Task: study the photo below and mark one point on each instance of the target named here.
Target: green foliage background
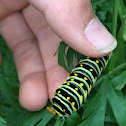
(106, 106)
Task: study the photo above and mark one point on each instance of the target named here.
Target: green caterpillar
(72, 94)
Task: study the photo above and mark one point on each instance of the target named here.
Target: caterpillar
(72, 94)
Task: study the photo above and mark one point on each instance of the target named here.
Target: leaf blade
(116, 105)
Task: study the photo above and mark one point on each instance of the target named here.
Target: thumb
(75, 23)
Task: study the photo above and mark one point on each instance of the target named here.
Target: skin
(33, 34)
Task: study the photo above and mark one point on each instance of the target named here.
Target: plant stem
(115, 17)
(122, 10)
(124, 35)
(117, 50)
(122, 14)
(59, 122)
(114, 29)
(121, 35)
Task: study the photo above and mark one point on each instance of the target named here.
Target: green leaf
(95, 113)
(73, 120)
(61, 55)
(121, 43)
(109, 116)
(60, 121)
(124, 34)
(122, 10)
(2, 122)
(110, 124)
(69, 58)
(119, 81)
(40, 118)
(116, 104)
(104, 10)
(118, 70)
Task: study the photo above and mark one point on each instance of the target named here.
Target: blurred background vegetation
(106, 104)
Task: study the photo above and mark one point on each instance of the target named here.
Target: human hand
(34, 37)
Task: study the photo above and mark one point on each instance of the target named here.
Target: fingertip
(33, 94)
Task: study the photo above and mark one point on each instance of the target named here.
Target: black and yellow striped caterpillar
(72, 94)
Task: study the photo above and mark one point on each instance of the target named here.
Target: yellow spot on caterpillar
(64, 110)
(73, 103)
(88, 57)
(69, 76)
(75, 110)
(65, 80)
(73, 67)
(90, 86)
(59, 92)
(97, 61)
(81, 84)
(68, 83)
(68, 98)
(91, 69)
(72, 79)
(86, 91)
(85, 78)
(75, 74)
(95, 78)
(101, 69)
(76, 89)
(81, 97)
(106, 61)
(81, 65)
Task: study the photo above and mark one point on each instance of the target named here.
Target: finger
(75, 22)
(33, 90)
(9, 6)
(48, 43)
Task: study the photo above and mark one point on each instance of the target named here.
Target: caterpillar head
(54, 112)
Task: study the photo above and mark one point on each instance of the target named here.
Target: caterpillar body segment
(72, 94)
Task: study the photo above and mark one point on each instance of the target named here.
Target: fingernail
(100, 37)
